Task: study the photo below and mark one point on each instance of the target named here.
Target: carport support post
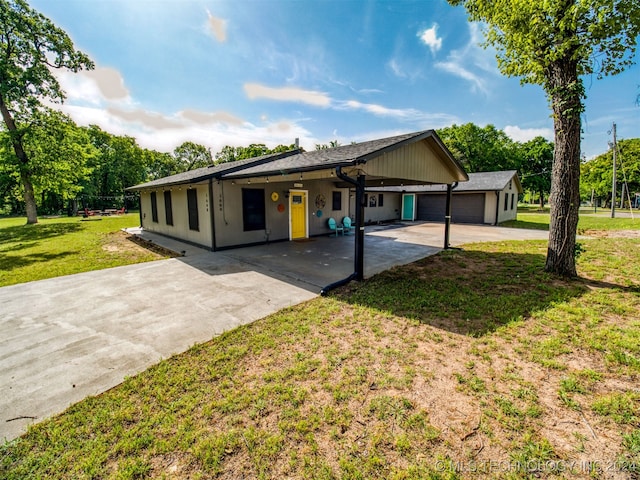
(447, 217)
(359, 250)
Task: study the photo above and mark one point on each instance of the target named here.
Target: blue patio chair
(334, 227)
(346, 226)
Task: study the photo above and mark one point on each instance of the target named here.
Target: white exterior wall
(390, 210)
(490, 199)
(508, 213)
(180, 228)
(229, 227)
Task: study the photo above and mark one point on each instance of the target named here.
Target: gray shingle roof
(481, 181)
(330, 157)
(212, 171)
(296, 161)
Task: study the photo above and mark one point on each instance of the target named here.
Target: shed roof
(481, 181)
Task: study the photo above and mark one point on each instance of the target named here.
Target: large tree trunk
(29, 199)
(16, 140)
(541, 200)
(566, 97)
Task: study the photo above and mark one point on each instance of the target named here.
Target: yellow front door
(298, 209)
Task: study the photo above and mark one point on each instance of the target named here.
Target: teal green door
(408, 207)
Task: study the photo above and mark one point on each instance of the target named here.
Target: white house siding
(509, 213)
(180, 228)
(229, 227)
(490, 199)
(390, 209)
(420, 161)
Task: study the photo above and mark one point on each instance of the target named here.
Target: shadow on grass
(31, 234)
(465, 292)
(525, 225)
(11, 262)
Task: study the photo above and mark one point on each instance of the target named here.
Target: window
(513, 197)
(253, 216)
(168, 210)
(506, 202)
(337, 201)
(154, 207)
(192, 206)
(380, 200)
(372, 201)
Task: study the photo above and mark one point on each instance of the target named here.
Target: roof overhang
(410, 159)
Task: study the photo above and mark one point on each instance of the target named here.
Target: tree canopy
(553, 44)
(232, 154)
(480, 149)
(597, 174)
(536, 161)
(30, 47)
(190, 156)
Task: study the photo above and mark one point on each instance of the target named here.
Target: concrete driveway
(66, 338)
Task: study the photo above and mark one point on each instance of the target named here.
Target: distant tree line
(597, 175)
(483, 149)
(73, 167)
(487, 149)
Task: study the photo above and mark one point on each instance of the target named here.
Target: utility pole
(613, 187)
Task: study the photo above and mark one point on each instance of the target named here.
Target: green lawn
(587, 221)
(62, 246)
(467, 364)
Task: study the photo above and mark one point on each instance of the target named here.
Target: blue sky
(269, 71)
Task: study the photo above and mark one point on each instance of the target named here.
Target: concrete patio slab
(67, 338)
(70, 337)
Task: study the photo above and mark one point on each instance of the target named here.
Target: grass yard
(588, 223)
(467, 364)
(62, 246)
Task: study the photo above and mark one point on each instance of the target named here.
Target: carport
(411, 159)
(290, 195)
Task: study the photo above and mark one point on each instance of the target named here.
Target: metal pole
(447, 217)
(613, 187)
(359, 260)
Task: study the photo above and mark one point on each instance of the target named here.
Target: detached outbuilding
(291, 195)
(487, 198)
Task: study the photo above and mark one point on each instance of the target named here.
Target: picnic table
(86, 212)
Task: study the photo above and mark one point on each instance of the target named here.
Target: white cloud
(396, 69)
(471, 62)
(525, 134)
(430, 38)
(432, 120)
(456, 67)
(148, 119)
(287, 94)
(93, 87)
(206, 118)
(109, 82)
(217, 27)
(165, 132)
(100, 98)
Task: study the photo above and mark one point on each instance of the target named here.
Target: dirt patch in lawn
(122, 242)
(613, 233)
